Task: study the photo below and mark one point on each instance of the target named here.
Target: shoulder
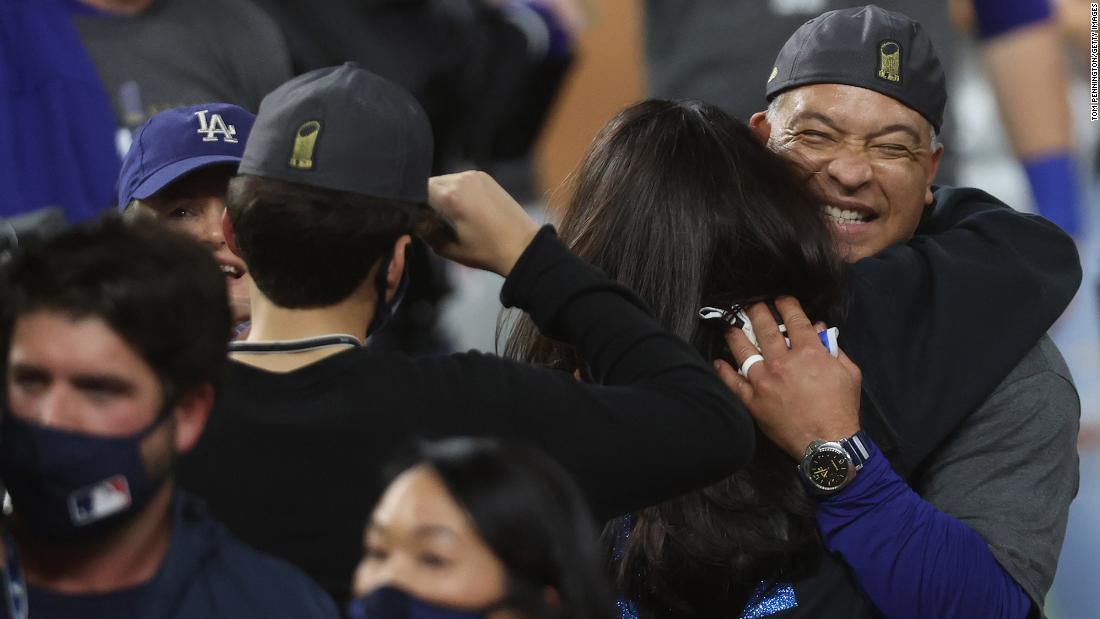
(247, 14)
(359, 362)
(945, 195)
(461, 367)
(236, 579)
(256, 574)
(1043, 366)
(334, 388)
(215, 12)
(240, 24)
(1036, 402)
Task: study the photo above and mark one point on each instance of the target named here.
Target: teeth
(845, 216)
(230, 270)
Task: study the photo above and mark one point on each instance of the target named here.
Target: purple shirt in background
(57, 131)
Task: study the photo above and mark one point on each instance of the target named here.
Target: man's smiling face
(868, 158)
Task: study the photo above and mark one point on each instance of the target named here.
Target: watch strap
(856, 446)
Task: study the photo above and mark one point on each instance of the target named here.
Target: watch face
(828, 469)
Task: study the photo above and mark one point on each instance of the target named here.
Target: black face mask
(393, 603)
(384, 309)
(72, 486)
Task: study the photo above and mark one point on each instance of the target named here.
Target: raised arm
(658, 424)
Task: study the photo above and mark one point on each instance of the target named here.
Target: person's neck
(271, 322)
(126, 558)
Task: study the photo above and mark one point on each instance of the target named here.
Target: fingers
(431, 226)
(461, 195)
(733, 380)
(441, 190)
(740, 345)
(799, 329)
(482, 226)
(772, 343)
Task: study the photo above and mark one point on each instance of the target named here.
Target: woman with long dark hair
(683, 204)
(477, 528)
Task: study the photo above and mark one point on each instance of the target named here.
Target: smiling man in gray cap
(856, 100)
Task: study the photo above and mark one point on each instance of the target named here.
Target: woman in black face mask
(473, 528)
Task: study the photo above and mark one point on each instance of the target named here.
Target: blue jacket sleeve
(911, 559)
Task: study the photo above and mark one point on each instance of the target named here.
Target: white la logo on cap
(214, 126)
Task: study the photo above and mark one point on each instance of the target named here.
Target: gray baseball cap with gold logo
(343, 128)
(868, 47)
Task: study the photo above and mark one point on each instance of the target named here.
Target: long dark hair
(685, 205)
(535, 520)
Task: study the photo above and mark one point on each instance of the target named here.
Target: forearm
(911, 559)
(658, 423)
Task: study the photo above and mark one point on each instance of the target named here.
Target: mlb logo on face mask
(213, 126)
(98, 501)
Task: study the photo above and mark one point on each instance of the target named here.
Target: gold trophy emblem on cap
(889, 61)
(305, 140)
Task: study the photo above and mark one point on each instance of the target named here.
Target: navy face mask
(71, 486)
(392, 603)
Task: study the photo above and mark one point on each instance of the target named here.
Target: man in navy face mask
(111, 337)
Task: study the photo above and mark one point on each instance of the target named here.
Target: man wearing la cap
(307, 416)
(177, 170)
(856, 98)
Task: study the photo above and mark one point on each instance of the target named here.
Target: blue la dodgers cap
(343, 128)
(176, 142)
(868, 47)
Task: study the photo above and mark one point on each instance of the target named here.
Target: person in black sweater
(331, 186)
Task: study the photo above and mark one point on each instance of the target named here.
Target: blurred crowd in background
(518, 88)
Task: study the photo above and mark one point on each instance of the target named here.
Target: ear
(397, 265)
(936, 155)
(191, 412)
(230, 235)
(760, 126)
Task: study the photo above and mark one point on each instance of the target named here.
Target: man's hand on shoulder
(491, 229)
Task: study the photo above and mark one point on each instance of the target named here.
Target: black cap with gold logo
(868, 47)
(343, 128)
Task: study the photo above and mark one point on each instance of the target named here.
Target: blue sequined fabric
(768, 598)
(622, 536)
(626, 609)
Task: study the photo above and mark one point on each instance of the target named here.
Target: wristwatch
(829, 466)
